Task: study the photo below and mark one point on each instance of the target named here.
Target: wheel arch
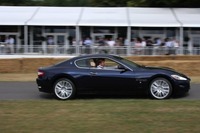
(162, 76)
(60, 76)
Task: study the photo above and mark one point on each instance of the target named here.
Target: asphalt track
(29, 91)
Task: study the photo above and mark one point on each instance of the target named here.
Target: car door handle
(93, 73)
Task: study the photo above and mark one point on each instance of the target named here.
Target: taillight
(40, 73)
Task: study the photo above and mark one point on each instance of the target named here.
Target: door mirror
(121, 67)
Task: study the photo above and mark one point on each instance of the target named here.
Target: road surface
(29, 91)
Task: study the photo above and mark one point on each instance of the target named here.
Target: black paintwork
(129, 78)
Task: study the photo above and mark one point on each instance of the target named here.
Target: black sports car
(117, 75)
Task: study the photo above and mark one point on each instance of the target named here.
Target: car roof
(85, 56)
(95, 56)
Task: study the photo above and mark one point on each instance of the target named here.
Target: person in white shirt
(111, 44)
(10, 41)
(87, 43)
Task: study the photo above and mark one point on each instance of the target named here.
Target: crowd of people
(137, 46)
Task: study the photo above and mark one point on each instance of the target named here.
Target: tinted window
(82, 63)
(128, 62)
(85, 63)
(107, 65)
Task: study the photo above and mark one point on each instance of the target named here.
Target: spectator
(138, 46)
(101, 42)
(175, 45)
(87, 43)
(158, 41)
(111, 44)
(70, 42)
(50, 44)
(149, 45)
(10, 41)
(169, 46)
(157, 46)
(119, 43)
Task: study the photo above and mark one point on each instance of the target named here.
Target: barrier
(189, 65)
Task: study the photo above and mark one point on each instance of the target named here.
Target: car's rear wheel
(160, 88)
(64, 89)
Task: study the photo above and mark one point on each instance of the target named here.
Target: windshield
(128, 62)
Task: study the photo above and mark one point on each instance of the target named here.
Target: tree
(12, 2)
(173, 3)
(104, 3)
(69, 3)
(108, 3)
(146, 3)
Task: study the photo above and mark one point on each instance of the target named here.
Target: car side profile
(118, 75)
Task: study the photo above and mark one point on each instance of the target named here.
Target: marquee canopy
(152, 17)
(56, 16)
(15, 15)
(189, 17)
(104, 17)
(100, 16)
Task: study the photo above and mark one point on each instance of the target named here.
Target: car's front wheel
(64, 89)
(160, 88)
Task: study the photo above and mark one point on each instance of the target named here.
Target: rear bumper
(43, 85)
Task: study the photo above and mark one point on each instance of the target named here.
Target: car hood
(159, 68)
(168, 69)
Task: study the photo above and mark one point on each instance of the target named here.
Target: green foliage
(69, 3)
(13, 2)
(137, 3)
(109, 3)
(104, 3)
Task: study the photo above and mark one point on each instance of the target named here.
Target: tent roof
(56, 16)
(100, 16)
(152, 17)
(15, 15)
(104, 17)
(189, 17)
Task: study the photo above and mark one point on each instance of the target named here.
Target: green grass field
(97, 115)
(100, 116)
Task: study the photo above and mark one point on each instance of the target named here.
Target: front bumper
(181, 87)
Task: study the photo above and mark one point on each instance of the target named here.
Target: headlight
(177, 77)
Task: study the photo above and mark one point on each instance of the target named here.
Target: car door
(117, 80)
(111, 77)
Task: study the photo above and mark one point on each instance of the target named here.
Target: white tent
(103, 17)
(189, 17)
(100, 16)
(15, 15)
(56, 16)
(152, 17)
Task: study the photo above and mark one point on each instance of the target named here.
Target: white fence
(73, 50)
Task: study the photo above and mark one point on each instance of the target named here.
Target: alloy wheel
(160, 88)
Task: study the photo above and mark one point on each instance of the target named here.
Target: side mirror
(121, 68)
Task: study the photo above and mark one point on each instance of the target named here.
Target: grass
(97, 115)
(100, 116)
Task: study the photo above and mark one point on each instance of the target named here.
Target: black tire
(160, 88)
(64, 89)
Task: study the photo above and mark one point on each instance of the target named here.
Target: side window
(105, 63)
(86, 63)
(110, 64)
(83, 63)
